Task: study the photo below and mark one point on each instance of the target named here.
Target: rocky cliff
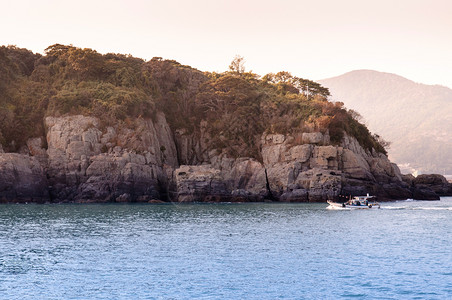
(90, 163)
(311, 170)
(85, 127)
(85, 161)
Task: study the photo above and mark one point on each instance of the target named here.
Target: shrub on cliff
(20, 99)
(232, 107)
(111, 86)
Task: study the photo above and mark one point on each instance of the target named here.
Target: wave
(393, 207)
(432, 208)
(415, 208)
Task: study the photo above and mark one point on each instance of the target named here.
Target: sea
(226, 251)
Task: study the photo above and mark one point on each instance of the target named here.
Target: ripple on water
(253, 251)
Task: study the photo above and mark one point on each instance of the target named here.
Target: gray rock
(227, 179)
(87, 164)
(22, 179)
(296, 195)
(312, 138)
(200, 184)
(437, 183)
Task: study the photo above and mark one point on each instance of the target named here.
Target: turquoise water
(226, 251)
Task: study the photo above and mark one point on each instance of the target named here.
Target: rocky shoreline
(81, 161)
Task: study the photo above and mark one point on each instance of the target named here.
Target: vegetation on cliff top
(235, 107)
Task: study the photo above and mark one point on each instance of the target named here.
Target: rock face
(86, 163)
(145, 162)
(433, 185)
(301, 173)
(310, 172)
(22, 179)
(225, 179)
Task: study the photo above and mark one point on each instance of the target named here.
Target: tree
(287, 82)
(380, 140)
(237, 65)
(284, 77)
(310, 88)
(354, 114)
(57, 49)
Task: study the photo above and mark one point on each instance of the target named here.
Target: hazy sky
(313, 39)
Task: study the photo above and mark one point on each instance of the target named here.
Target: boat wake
(360, 202)
(414, 208)
(337, 208)
(395, 208)
(432, 208)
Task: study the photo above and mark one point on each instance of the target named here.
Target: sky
(313, 39)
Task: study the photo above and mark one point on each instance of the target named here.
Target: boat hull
(336, 205)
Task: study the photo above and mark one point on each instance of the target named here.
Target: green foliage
(18, 115)
(101, 99)
(69, 80)
(340, 120)
(175, 88)
(234, 107)
(231, 105)
(285, 82)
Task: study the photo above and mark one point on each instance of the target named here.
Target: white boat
(358, 202)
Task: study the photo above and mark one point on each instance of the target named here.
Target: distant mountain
(416, 118)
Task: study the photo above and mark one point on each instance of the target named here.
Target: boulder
(437, 183)
(226, 179)
(424, 193)
(22, 179)
(200, 184)
(295, 195)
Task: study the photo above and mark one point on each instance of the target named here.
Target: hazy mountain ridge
(414, 117)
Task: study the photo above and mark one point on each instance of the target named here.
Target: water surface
(226, 251)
